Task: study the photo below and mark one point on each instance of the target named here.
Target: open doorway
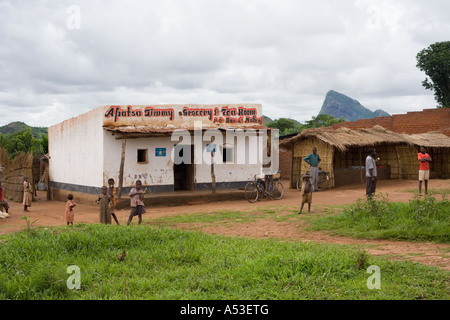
(183, 172)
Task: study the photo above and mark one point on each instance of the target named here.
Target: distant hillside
(18, 126)
(266, 120)
(339, 105)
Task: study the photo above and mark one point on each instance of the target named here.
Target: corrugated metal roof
(169, 129)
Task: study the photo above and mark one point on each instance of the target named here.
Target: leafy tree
(286, 126)
(322, 120)
(435, 62)
(289, 126)
(23, 141)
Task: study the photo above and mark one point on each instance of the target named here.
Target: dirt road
(50, 213)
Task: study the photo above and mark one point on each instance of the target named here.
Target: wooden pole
(122, 164)
(399, 170)
(213, 175)
(360, 166)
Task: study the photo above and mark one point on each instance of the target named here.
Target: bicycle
(321, 184)
(258, 189)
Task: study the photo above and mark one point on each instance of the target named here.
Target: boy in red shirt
(424, 168)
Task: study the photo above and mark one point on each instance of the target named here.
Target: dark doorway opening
(183, 172)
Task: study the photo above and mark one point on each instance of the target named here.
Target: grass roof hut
(343, 152)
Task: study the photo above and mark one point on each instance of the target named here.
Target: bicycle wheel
(278, 190)
(251, 192)
(323, 181)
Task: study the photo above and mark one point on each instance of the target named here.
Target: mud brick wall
(285, 163)
(410, 123)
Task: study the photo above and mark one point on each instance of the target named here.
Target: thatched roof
(343, 138)
(431, 139)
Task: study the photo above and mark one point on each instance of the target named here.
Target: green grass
(164, 263)
(226, 216)
(425, 218)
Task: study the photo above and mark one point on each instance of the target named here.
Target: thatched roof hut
(343, 152)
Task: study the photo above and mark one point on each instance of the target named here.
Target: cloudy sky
(59, 59)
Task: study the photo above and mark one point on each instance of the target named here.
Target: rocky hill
(339, 105)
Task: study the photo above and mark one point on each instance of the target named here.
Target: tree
(286, 126)
(322, 120)
(23, 141)
(435, 62)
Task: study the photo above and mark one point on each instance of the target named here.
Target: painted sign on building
(184, 116)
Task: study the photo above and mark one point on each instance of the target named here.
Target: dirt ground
(50, 213)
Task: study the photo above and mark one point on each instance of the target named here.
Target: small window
(227, 155)
(142, 156)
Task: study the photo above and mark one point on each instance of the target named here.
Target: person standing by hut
(136, 202)
(103, 200)
(3, 202)
(27, 194)
(313, 159)
(424, 169)
(371, 173)
(113, 199)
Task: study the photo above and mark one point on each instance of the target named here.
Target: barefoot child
(137, 203)
(103, 201)
(306, 192)
(69, 214)
(113, 199)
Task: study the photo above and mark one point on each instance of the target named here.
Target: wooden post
(360, 165)
(213, 175)
(122, 163)
(399, 170)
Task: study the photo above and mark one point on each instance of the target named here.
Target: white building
(167, 147)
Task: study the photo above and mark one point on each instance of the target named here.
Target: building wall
(285, 162)
(303, 148)
(246, 162)
(410, 123)
(157, 172)
(76, 153)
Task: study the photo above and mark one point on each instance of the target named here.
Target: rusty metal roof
(148, 130)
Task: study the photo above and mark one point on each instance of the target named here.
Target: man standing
(313, 160)
(371, 173)
(424, 168)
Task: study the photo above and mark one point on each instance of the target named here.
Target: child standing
(3, 202)
(136, 202)
(113, 199)
(306, 192)
(103, 200)
(27, 194)
(69, 214)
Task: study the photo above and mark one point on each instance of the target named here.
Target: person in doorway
(113, 199)
(103, 200)
(313, 159)
(424, 168)
(371, 173)
(306, 192)
(3, 202)
(68, 213)
(136, 202)
(27, 194)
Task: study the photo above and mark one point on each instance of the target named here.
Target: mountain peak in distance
(339, 105)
